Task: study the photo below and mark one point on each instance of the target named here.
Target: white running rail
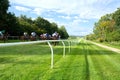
(43, 41)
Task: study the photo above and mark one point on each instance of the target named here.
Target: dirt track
(104, 46)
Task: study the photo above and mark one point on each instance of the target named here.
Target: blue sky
(78, 16)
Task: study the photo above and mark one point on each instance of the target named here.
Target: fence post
(69, 46)
(63, 49)
(52, 59)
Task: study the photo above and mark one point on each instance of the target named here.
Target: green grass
(10, 41)
(32, 62)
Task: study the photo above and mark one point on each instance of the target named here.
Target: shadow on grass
(87, 68)
(6, 59)
(78, 51)
(13, 60)
(57, 50)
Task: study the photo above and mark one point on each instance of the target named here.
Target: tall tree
(54, 27)
(43, 24)
(63, 32)
(104, 27)
(116, 17)
(12, 26)
(4, 4)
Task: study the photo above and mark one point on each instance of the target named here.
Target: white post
(52, 60)
(69, 46)
(63, 49)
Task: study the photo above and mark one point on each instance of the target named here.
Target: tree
(54, 27)
(116, 17)
(116, 35)
(104, 27)
(4, 4)
(63, 33)
(43, 25)
(12, 26)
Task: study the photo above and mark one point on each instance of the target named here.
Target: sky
(78, 16)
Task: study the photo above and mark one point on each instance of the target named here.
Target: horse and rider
(3, 35)
(55, 36)
(33, 36)
(25, 36)
(47, 36)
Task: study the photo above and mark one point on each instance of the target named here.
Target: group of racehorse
(32, 37)
(45, 36)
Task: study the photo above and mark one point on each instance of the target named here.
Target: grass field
(32, 62)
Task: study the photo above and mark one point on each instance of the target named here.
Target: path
(107, 47)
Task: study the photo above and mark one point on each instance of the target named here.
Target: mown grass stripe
(85, 62)
(103, 64)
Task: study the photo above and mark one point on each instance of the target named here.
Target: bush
(100, 39)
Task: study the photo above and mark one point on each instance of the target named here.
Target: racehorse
(4, 37)
(33, 36)
(45, 36)
(55, 37)
(25, 37)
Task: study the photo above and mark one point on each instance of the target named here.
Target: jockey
(25, 33)
(55, 34)
(33, 34)
(1, 34)
(47, 35)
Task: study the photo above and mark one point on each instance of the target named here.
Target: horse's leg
(4, 39)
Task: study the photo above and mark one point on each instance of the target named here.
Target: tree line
(16, 26)
(107, 28)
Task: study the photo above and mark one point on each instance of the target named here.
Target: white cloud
(73, 12)
(50, 19)
(38, 11)
(78, 21)
(24, 9)
(66, 17)
(85, 8)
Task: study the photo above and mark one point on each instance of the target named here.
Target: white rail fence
(70, 42)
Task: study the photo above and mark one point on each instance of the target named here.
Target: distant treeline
(107, 28)
(15, 26)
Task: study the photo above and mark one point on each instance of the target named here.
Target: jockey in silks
(1, 34)
(55, 35)
(25, 34)
(33, 34)
(47, 36)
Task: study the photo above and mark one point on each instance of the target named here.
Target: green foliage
(4, 4)
(116, 17)
(43, 24)
(116, 35)
(12, 26)
(90, 37)
(63, 32)
(54, 27)
(108, 27)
